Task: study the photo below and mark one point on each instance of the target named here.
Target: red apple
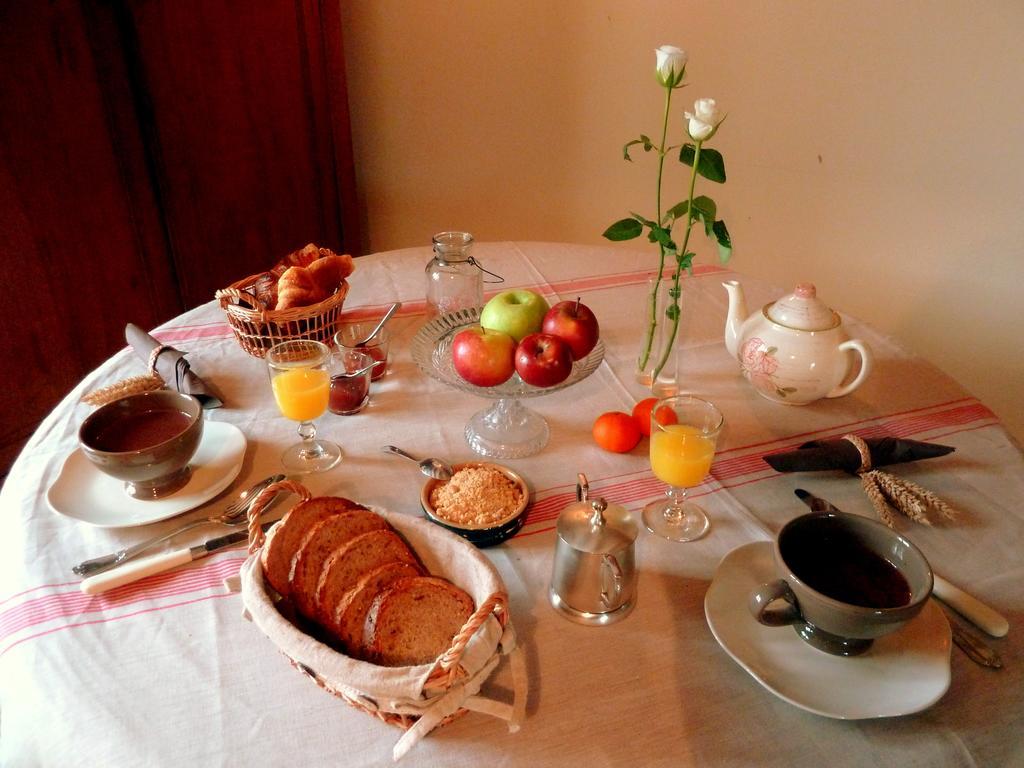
(574, 322)
(543, 360)
(482, 357)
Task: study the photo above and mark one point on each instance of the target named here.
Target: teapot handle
(866, 363)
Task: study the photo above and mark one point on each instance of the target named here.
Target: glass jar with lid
(454, 278)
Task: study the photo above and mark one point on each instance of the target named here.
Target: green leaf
(704, 209)
(645, 140)
(724, 241)
(663, 237)
(624, 229)
(677, 211)
(642, 220)
(711, 164)
(685, 261)
(671, 311)
(675, 292)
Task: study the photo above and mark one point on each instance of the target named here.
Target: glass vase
(667, 383)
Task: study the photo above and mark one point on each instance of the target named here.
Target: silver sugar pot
(593, 579)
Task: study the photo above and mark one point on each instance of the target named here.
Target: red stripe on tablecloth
(34, 589)
(747, 469)
(412, 308)
(901, 424)
(112, 618)
(728, 471)
(75, 603)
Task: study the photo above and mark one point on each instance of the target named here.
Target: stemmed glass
(684, 430)
(301, 382)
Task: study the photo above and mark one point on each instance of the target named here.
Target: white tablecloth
(166, 671)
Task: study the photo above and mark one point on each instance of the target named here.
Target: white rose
(704, 120)
(671, 65)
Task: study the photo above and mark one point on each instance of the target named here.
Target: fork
(234, 514)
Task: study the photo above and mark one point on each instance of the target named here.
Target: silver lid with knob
(593, 578)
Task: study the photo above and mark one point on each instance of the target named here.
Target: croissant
(304, 256)
(330, 270)
(300, 258)
(297, 288)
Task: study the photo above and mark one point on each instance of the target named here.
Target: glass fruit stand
(507, 429)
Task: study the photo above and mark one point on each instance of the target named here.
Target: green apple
(517, 312)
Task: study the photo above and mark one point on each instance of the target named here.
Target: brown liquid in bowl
(141, 430)
(835, 563)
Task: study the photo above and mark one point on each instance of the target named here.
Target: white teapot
(794, 351)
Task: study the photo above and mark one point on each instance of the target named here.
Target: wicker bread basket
(415, 698)
(257, 328)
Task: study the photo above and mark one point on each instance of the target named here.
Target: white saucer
(901, 673)
(84, 493)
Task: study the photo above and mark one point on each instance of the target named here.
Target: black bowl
(481, 535)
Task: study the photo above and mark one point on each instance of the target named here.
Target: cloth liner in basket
(416, 697)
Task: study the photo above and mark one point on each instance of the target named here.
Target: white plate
(84, 493)
(900, 673)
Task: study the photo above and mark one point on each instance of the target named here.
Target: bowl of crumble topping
(484, 503)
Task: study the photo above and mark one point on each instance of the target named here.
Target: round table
(166, 670)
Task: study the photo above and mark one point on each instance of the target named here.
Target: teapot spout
(736, 316)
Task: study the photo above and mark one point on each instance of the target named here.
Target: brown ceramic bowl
(482, 534)
(146, 440)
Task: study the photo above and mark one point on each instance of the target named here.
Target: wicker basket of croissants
(299, 298)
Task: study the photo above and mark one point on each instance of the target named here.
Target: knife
(966, 605)
(147, 566)
(977, 650)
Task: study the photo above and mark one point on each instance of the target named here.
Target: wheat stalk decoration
(889, 493)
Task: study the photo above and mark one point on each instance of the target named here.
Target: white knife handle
(970, 608)
(133, 571)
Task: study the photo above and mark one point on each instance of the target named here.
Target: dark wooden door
(150, 153)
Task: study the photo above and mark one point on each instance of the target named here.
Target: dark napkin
(172, 367)
(841, 454)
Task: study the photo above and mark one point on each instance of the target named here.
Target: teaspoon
(354, 374)
(387, 316)
(435, 468)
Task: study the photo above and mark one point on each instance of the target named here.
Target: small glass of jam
(350, 390)
(350, 335)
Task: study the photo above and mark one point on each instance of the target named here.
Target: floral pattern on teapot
(757, 360)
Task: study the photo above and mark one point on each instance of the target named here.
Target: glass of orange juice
(301, 382)
(684, 430)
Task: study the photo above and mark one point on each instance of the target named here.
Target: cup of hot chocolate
(843, 580)
(147, 440)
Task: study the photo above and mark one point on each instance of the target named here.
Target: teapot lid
(802, 310)
(594, 525)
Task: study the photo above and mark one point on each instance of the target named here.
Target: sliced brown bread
(323, 538)
(350, 615)
(283, 539)
(413, 620)
(347, 564)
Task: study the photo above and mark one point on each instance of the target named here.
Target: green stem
(652, 322)
(667, 350)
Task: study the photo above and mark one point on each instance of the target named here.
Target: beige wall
(874, 147)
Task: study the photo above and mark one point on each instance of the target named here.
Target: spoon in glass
(353, 374)
(387, 316)
(435, 468)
